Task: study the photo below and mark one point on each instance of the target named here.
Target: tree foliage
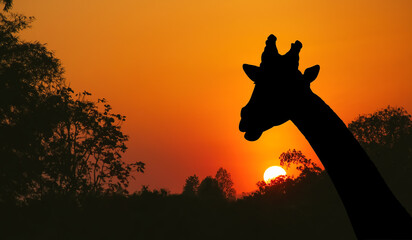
(209, 189)
(386, 135)
(388, 127)
(52, 141)
(218, 187)
(285, 187)
(84, 154)
(30, 77)
(7, 4)
(296, 158)
(191, 186)
(224, 180)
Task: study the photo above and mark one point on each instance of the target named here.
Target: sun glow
(272, 173)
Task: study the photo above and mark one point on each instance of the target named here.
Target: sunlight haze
(174, 68)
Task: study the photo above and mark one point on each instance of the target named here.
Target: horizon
(175, 71)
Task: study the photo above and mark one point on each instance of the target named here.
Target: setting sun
(272, 173)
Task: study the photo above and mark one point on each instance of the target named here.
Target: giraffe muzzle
(250, 134)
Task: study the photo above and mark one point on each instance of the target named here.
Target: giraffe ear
(251, 71)
(311, 73)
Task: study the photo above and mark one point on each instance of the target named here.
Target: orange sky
(174, 68)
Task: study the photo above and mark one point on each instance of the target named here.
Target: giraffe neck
(372, 208)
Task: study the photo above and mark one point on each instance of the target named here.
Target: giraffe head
(279, 87)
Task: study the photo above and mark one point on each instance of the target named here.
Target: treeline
(211, 188)
(305, 207)
(285, 208)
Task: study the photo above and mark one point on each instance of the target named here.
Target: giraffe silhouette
(283, 93)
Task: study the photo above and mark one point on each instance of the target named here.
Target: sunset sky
(174, 68)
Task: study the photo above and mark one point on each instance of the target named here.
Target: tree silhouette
(209, 189)
(7, 4)
(286, 187)
(145, 192)
(30, 78)
(191, 186)
(390, 128)
(52, 141)
(386, 135)
(84, 153)
(225, 182)
(304, 165)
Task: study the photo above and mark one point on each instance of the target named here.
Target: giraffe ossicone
(279, 85)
